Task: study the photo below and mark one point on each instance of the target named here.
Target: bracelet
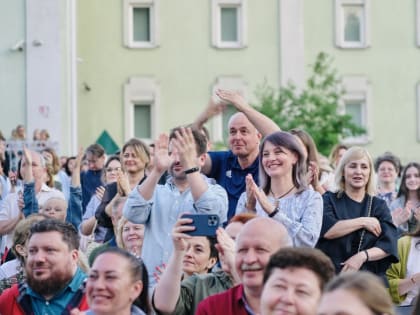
(272, 214)
(367, 255)
(413, 281)
(192, 170)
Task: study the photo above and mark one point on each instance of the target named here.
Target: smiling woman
(284, 194)
(117, 284)
(357, 230)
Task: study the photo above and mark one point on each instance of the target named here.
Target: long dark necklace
(279, 197)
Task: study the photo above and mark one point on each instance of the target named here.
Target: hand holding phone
(205, 224)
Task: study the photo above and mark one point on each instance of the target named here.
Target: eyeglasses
(115, 169)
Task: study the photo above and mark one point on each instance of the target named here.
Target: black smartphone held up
(205, 224)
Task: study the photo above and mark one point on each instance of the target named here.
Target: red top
(229, 302)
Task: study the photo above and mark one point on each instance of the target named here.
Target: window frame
(153, 6)
(418, 110)
(242, 21)
(358, 89)
(141, 91)
(418, 22)
(365, 41)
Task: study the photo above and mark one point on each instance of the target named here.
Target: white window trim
(418, 111)
(359, 88)
(418, 22)
(216, 7)
(128, 6)
(137, 91)
(339, 25)
(234, 83)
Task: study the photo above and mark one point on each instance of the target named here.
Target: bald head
(257, 241)
(244, 138)
(267, 228)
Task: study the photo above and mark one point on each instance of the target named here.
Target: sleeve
(185, 300)
(217, 158)
(387, 241)
(329, 217)
(100, 214)
(29, 198)
(204, 307)
(397, 271)
(214, 200)
(136, 208)
(305, 232)
(74, 210)
(241, 205)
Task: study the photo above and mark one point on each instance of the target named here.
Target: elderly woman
(356, 293)
(284, 194)
(117, 284)
(357, 230)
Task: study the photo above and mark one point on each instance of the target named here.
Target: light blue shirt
(301, 214)
(161, 213)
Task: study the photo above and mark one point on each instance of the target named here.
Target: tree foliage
(315, 108)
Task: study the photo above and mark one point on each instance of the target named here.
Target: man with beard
(256, 242)
(54, 282)
(246, 127)
(186, 191)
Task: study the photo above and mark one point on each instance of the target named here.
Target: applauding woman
(357, 229)
(284, 194)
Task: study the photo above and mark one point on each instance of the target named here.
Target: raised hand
(161, 158)
(99, 192)
(186, 147)
(251, 201)
(123, 185)
(226, 248)
(400, 215)
(232, 97)
(179, 236)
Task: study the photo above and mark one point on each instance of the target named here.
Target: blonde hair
(355, 153)
(367, 287)
(120, 227)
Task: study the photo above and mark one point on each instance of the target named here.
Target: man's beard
(51, 286)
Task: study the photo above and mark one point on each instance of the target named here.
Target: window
(141, 103)
(140, 23)
(352, 23)
(219, 124)
(358, 104)
(229, 23)
(142, 121)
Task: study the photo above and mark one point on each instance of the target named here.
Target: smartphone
(205, 224)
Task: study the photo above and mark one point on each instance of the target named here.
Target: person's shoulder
(9, 294)
(220, 154)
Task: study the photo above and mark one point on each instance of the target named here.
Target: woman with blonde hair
(356, 293)
(357, 230)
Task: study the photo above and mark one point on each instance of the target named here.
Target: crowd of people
(299, 233)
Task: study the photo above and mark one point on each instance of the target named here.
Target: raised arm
(162, 161)
(185, 144)
(167, 290)
(263, 123)
(75, 210)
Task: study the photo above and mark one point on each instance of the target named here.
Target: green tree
(314, 108)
